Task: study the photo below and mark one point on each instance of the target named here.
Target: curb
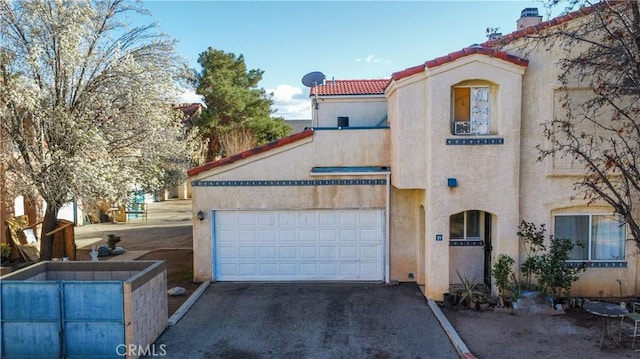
(455, 339)
(175, 317)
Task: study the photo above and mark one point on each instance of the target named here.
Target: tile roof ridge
(452, 56)
(354, 87)
(558, 20)
(384, 79)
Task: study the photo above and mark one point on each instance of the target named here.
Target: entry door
(281, 245)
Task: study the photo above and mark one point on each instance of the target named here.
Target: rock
(392, 283)
(176, 291)
(118, 250)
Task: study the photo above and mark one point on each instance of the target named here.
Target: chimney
(528, 17)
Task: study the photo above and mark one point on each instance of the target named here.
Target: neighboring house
(191, 112)
(349, 103)
(442, 188)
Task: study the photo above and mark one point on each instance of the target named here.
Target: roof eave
(249, 153)
(522, 33)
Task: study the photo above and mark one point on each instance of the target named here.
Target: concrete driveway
(305, 320)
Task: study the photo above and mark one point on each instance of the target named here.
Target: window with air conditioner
(471, 110)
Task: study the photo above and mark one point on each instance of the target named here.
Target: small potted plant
(516, 289)
(468, 291)
(112, 240)
(503, 273)
(481, 302)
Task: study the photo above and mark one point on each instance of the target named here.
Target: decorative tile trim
(466, 243)
(476, 141)
(599, 264)
(349, 169)
(332, 182)
(351, 128)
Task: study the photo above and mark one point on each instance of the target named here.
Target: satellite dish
(313, 79)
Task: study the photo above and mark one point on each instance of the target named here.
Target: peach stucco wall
(407, 110)
(405, 235)
(291, 162)
(547, 189)
(487, 175)
(363, 111)
(505, 180)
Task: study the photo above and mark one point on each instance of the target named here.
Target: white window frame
(590, 236)
(466, 226)
(479, 122)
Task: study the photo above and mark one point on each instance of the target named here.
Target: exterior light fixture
(200, 215)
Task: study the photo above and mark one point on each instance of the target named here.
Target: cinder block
(102, 275)
(84, 275)
(119, 275)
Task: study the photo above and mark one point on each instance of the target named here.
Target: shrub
(503, 273)
(469, 291)
(553, 274)
(5, 252)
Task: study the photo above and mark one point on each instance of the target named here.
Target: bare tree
(237, 139)
(600, 125)
(85, 100)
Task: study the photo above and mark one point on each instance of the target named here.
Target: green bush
(5, 252)
(554, 276)
(503, 273)
(533, 238)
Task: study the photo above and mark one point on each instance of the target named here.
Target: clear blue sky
(344, 40)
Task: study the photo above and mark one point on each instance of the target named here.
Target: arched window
(465, 226)
(472, 102)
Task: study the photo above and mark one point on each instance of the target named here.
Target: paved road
(304, 320)
(168, 226)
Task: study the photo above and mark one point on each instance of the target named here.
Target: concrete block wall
(120, 275)
(144, 286)
(83, 275)
(82, 271)
(145, 309)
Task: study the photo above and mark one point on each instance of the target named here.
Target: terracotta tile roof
(248, 153)
(408, 72)
(459, 54)
(351, 87)
(486, 48)
(189, 109)
(503, 40)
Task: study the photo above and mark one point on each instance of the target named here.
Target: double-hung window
(471, 110)
(597, 237)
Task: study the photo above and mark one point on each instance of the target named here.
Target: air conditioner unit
(462, 127)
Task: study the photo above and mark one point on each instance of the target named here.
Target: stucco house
(412, 178)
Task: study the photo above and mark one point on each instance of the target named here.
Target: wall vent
(343, 121)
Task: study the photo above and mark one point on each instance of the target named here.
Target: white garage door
(298, 245)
